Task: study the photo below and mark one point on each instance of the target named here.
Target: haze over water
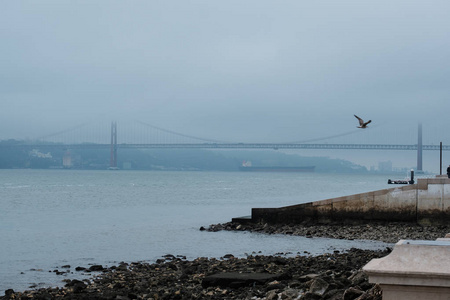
(253, 71)
(52, 218)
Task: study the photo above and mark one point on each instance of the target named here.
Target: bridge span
(277, 146)
(274, 146)
(200, 143)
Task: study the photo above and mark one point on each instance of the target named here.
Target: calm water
(51, 218)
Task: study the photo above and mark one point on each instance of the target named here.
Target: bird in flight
(361, 122)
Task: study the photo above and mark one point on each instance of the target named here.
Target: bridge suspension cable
(62, 132)
(323, 138)
(180, 134)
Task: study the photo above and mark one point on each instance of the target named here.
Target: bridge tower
(419, 149)
(113, 158)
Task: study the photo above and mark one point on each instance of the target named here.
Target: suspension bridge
(71, 139)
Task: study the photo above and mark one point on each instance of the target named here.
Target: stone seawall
(427, 203)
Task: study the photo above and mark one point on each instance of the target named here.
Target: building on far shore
(67, 160)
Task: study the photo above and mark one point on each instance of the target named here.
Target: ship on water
(247, 166)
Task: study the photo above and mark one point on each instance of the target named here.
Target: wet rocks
(96, 268)
(333, 276)
(329, 276)
(318, 286)
(390, 232)
(9, 292)
(76, 286)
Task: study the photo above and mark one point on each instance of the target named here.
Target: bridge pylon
(419, 149)
(113, 156)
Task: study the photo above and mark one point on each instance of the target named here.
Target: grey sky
(231, 70)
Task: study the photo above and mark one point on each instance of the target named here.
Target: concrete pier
(427, 202)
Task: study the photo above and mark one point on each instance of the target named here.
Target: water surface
(51, 218)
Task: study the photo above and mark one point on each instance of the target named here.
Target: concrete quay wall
(427, 202)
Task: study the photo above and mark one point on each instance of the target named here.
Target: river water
(51, 218)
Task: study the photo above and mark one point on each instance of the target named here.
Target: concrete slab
(234, 279)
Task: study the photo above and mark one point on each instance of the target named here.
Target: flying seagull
(361, 122)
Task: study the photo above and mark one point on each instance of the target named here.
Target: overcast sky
(228, 70)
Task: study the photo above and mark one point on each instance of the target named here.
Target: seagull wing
(361, 122)
(367, 122)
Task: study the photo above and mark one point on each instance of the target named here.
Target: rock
(238, 279)
(73, 282)
(96, 268)
(318, 286)
(272, 295)
(275, 285)
(352, 293)
(44, 295)
(122, 267)
(309, 277)
(289, 294)
(310, 296)
(335, 294)
(9, 292)
(375, 293)
(358, 277)
(170, 257)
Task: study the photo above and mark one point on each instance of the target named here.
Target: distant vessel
(247, 166)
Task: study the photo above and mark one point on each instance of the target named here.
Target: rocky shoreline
(329, 276)
(336, 275)
(388, 232)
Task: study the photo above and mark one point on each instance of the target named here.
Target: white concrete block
(419, 266)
